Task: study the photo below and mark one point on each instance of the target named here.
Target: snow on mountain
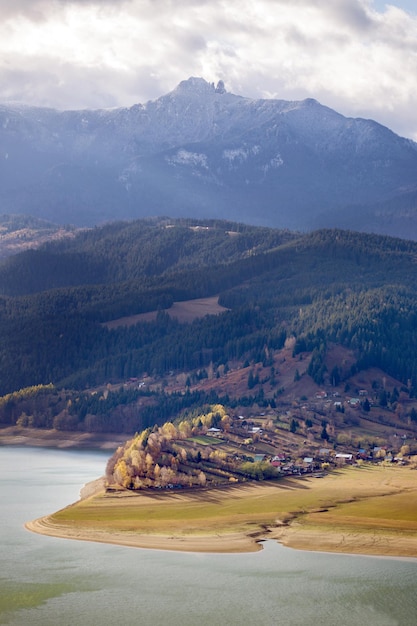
(202, 151)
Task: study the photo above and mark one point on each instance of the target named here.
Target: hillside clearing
(184, 312)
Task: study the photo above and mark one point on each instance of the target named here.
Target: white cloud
(345, 53)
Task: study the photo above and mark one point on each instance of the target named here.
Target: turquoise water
(48, 581)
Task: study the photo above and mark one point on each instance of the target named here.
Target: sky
(358, 57)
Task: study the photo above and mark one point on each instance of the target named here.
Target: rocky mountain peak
(195, 85)
(220, 88)
(199, 87)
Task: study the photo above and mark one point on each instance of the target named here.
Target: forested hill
(141, 250)
(325, 287)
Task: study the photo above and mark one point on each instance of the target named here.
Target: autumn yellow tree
(202, 479)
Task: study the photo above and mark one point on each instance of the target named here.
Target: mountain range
(200, 151)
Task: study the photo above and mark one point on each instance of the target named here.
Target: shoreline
(293, 533)
(336, 542)
(226, 543)
(221, 544)
(60, 440)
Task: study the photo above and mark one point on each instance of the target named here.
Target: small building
(362, 454)
(213, 431)
(343, 457)
(355, 403)
(279, 457)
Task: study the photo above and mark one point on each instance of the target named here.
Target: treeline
(124, 410)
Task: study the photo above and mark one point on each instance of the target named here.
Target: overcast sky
(356, 56)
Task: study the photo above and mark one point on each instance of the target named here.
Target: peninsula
(360, 510)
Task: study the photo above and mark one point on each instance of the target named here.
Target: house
(324, 451)
(279, 457)
(343, 457)
(379, 452)
(362, 454)
(355, 403)
(213, 431)
(321, 395)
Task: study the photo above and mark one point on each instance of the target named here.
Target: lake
(48, 581)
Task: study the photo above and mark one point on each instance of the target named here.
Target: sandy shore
(293, 533)
(227, 543)
(290, 536)
(222, 543)
(342, 542)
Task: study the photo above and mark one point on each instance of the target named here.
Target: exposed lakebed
(47, 581)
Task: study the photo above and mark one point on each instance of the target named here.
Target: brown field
(186, 311)
(29, 238)
(367, 510)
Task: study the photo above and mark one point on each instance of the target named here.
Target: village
(312, 436)
(309, 439)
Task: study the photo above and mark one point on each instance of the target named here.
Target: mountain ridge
(201, 151)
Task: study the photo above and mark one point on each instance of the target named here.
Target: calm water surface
(48, 582)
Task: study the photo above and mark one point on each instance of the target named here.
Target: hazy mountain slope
(204, 152)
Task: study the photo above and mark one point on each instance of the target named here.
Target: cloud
(38, 10)
(91, 53)
(352, 14)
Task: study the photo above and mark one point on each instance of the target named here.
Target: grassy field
(372, 509)
(186, 311)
